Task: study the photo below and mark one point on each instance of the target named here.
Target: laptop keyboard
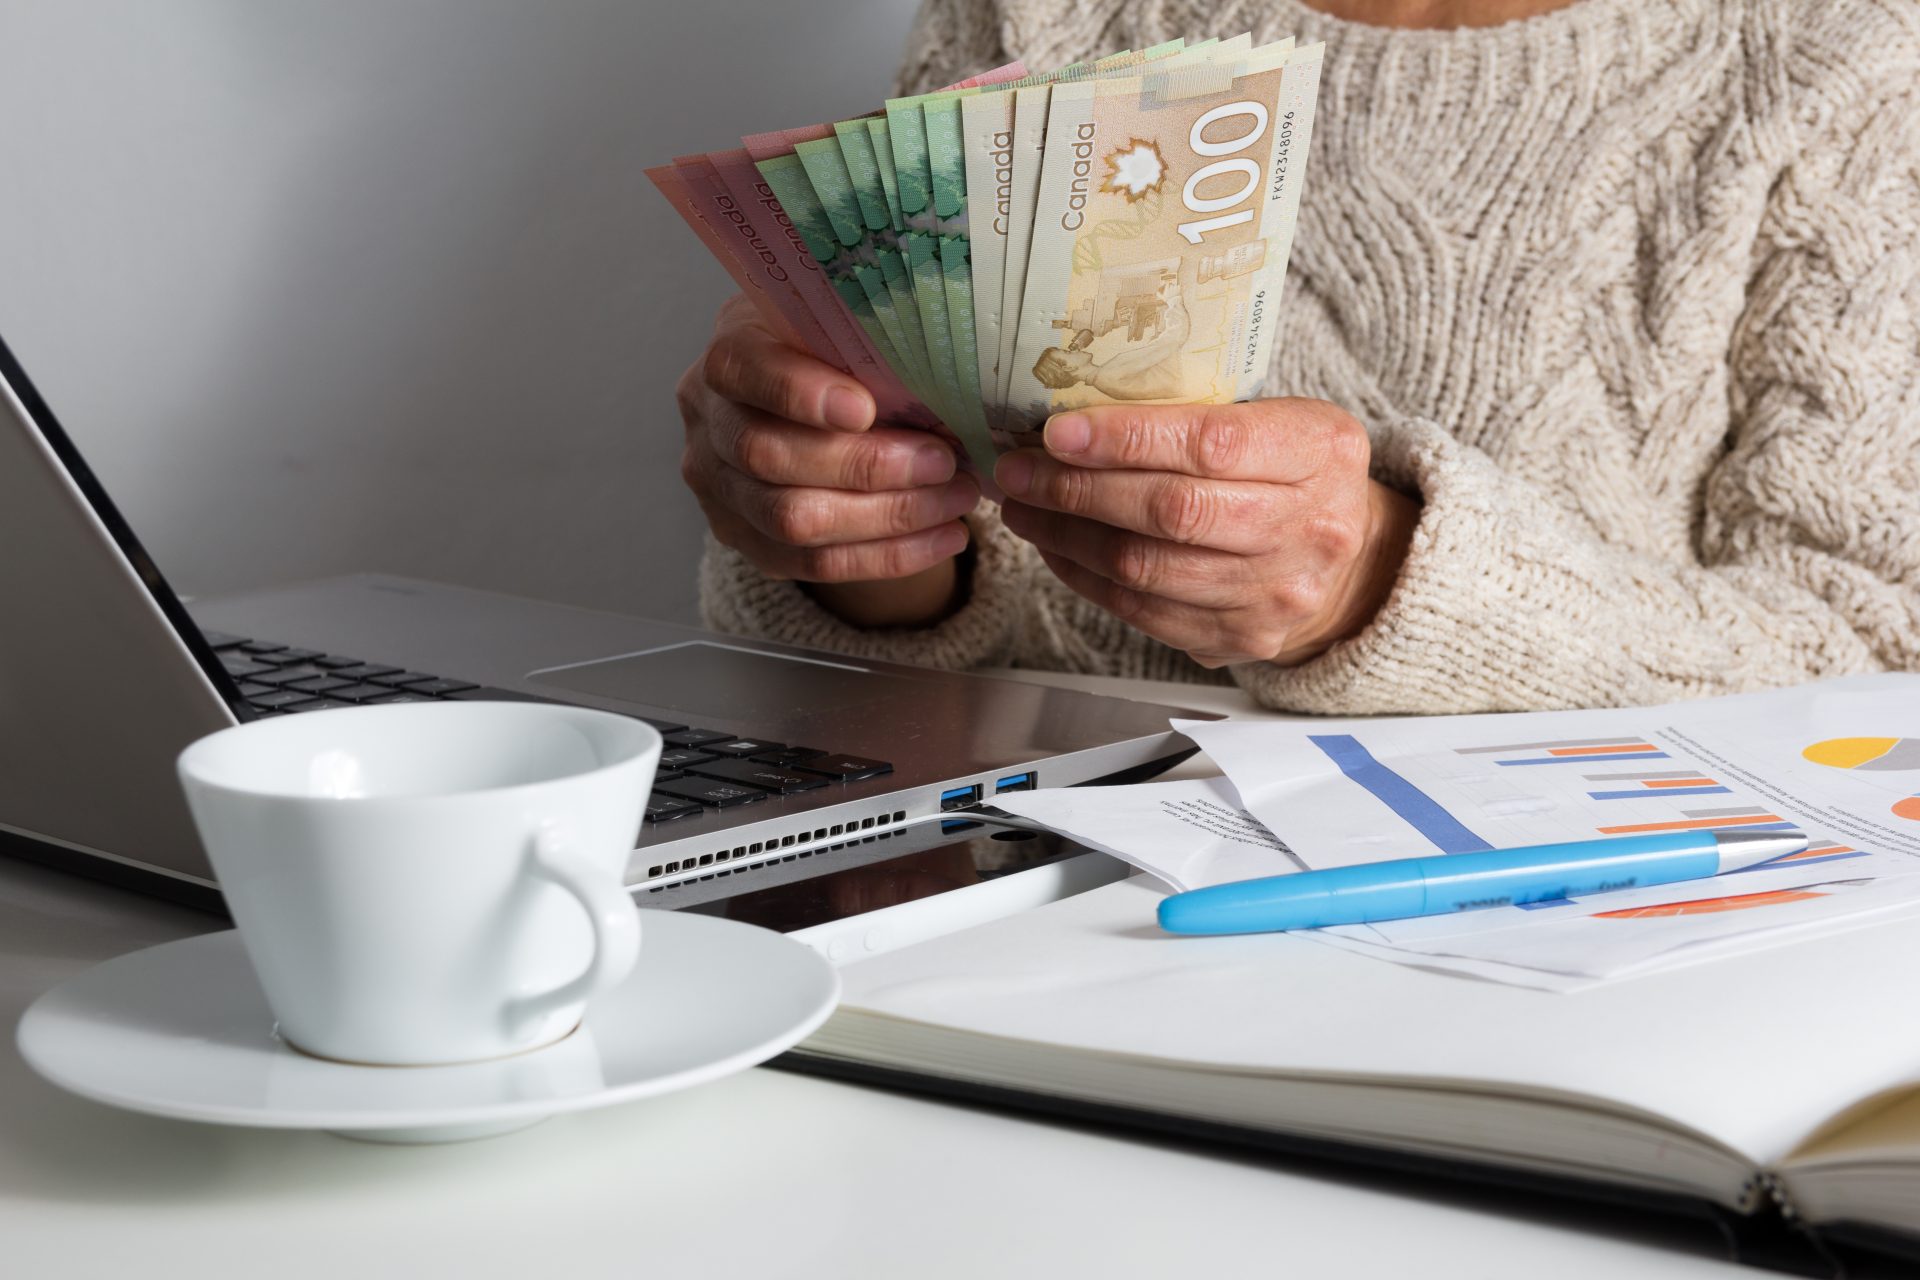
(700, 769)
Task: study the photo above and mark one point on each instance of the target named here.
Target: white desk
(765, 1174)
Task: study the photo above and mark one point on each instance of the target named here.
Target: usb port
(1018, 782)
(959, 797)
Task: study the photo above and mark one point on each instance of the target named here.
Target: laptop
(782, 764)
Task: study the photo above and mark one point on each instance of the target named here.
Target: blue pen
(1466, 881)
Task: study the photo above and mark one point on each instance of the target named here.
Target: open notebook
(1782, 1084)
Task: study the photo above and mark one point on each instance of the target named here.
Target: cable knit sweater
(1628, 295)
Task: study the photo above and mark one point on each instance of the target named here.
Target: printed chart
(1345, 793)
(1619, 801)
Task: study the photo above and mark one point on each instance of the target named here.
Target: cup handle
(616, 929)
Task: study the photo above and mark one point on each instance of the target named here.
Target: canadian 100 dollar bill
(1161, 233)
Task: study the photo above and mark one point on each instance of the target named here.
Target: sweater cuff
(738, 598)
(1459, 632)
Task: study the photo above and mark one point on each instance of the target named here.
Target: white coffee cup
(427, 883)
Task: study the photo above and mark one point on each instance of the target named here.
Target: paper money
(854, 142)
(1161, 234)
(857, 250)
(801, 331)
(756, 215)
(1029, 148)
(986, 144)
(1016, 245)
(907, 129)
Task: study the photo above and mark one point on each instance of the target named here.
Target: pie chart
(1866, 753)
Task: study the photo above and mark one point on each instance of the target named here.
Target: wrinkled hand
(790, 470)
(1237, 533)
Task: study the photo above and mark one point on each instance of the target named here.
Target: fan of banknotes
(1022, 243)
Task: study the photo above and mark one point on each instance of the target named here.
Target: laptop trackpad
(721, 682)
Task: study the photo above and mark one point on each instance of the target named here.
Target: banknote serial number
(1283, 148)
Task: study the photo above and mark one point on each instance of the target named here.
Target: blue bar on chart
(1425, 814)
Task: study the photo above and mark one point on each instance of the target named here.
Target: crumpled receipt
(1190, 834)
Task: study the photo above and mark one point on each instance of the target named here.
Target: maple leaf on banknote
(1135, 170)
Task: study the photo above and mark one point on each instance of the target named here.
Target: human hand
(1237, 533)
(791, 471)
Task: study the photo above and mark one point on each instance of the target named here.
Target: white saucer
(182, 1030)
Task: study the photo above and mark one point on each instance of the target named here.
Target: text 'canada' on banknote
(1161, 234)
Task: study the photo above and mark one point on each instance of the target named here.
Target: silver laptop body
(105, 676)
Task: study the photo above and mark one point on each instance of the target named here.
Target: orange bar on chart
(1707, 906)
(1691, 824)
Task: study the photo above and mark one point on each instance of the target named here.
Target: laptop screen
(14, 377)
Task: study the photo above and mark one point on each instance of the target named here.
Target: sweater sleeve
(736, 597)
(1807, 550)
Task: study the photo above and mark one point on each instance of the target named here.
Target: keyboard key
(334, 660)
(480, 693)
(250, 687)
(772, 777)
(283, 676)
(695, 737)
(318, 704)
(742, 747)
(398, 679)
(241, 667)
(666, 808)
(280, 698)
(297, 655)
(360, 692)
(320, 684)
(845, 768)
(664, 726)
(713, 794)
(439, 685)
(217, 640)
(682, 757)
(364, 671)
(261, 646)
(667, 775)
(399, 695)
(789, 755)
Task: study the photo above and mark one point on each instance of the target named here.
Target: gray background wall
(379, 284)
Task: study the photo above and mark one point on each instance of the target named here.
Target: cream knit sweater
(1628, 295)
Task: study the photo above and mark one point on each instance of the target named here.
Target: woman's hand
(1238, 533)
(791, 471)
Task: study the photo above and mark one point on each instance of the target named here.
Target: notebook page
(1755, 1053)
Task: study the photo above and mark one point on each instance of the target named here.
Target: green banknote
(947, 161)
(857, 285)
(827, 171)
(883, 162)
(913, 174)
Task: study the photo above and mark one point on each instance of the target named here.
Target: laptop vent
(742, 858)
